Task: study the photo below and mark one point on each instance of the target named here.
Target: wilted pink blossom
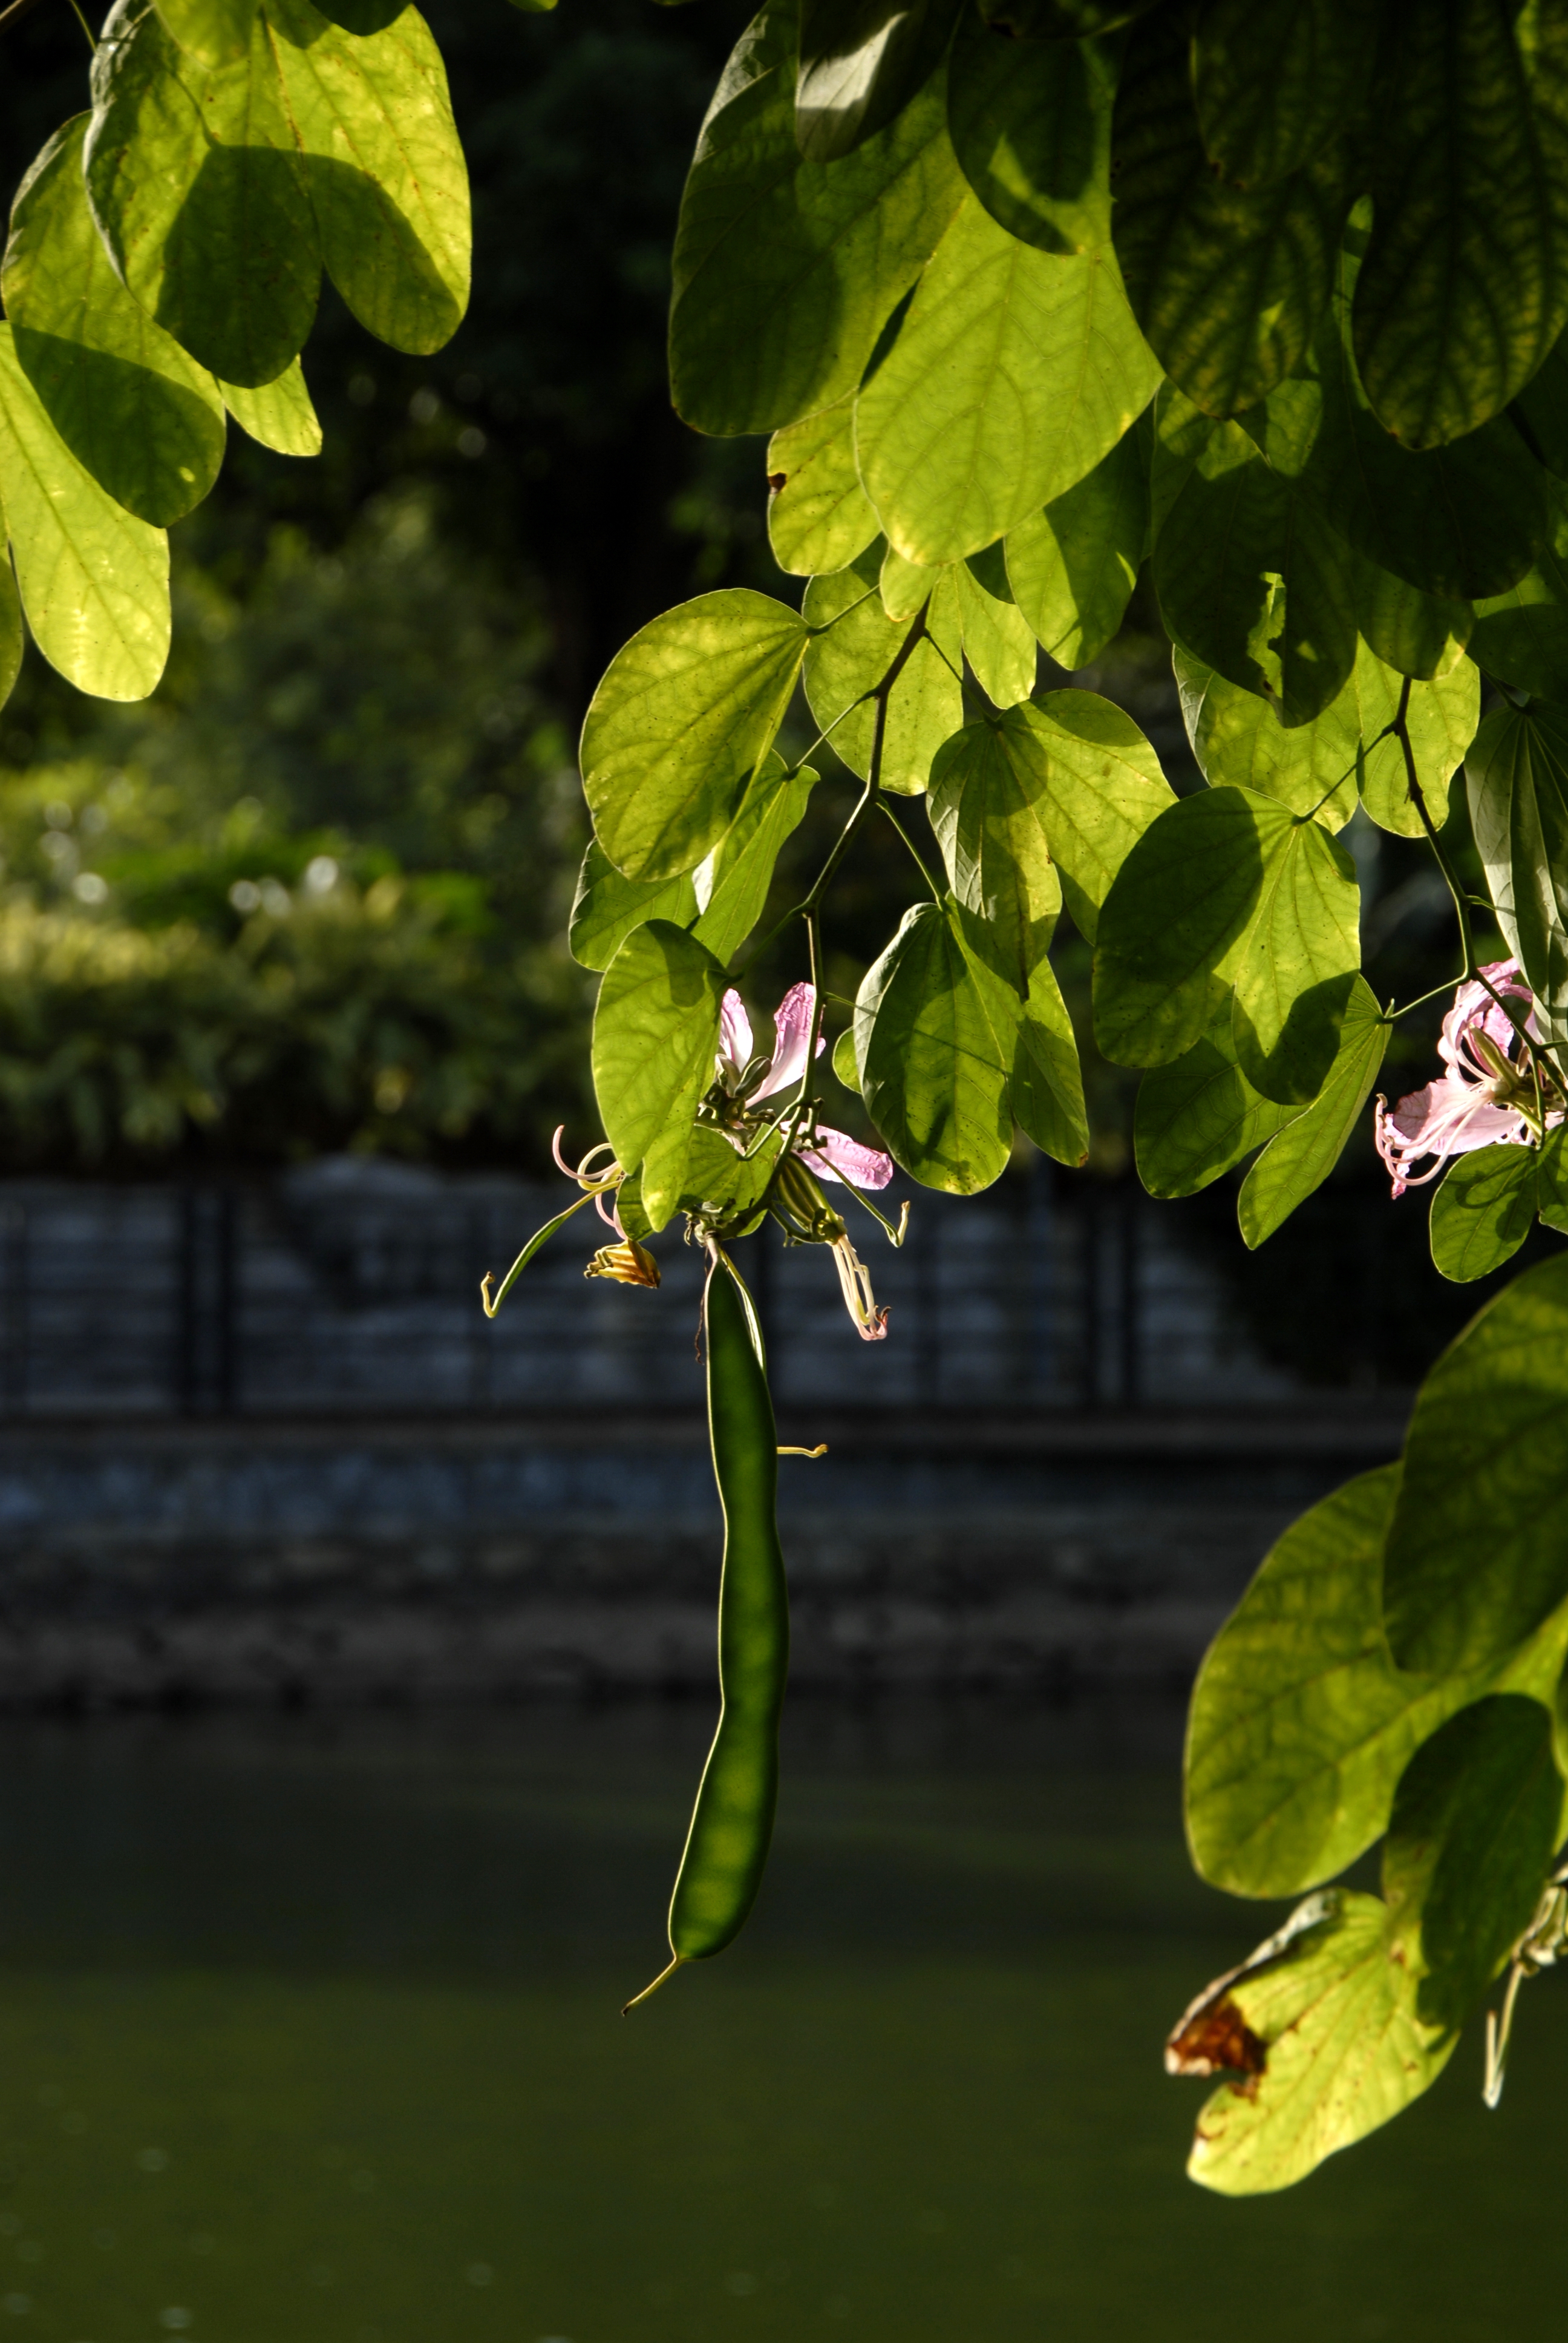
(1486, 1096)
(832, 1154)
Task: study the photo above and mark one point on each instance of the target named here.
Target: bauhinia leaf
(1227, 282)
(680, 723)
(655, 1038)
(214, 32)
(1325, 2013)
(818, 516)
(280, 414)
(732, 886)
(140, 415)
(1073, 566)
(607, 907)
(1309, 1144)
(94, 579)
(1103, 789)
(999, 642)
(1047, 1087)
(1475, 1819)
(1012, 374)
(785, 271)
(1516, 778)
(861, 61)
(1278, 80)
(1293, 980)
(988, 805)
(1030, 125)
(1200, 1115)
(933, 1068)
(1476, 1560)
(1483, 1212)
(200, 193)
(372, 119)
(854, 649)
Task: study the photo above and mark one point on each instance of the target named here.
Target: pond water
(309, 2030)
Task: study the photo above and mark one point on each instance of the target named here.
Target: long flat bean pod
(732, 1821)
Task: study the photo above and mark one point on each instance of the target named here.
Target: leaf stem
(920, 860)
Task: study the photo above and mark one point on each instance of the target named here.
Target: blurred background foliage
(313, 895)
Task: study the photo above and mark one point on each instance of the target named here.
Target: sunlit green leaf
(1333, 2003)
(818, 516)
(999, 642)
(654, 1036)
(1103, 788)
(680, 722)
(844, 1066)
(140, 415)
(724, 1185)
(861, 61)
(200, 192)
(785, 271)
(1470, 1841)
(988, 805)
(607, 907)
(1030, 126)
(857, 651)
(1172, 928)
(1237, 736)
(280, 414)
(1463, 289)
(905, 588)
(214, 32)
(1516, 778)
(731, 885)
(1199, 1115)
(1012, 374)
(1047, 1087)
(1441, 716)
(1476, 1558)
(1309, 1143)
(387, 176)
(1227, 282)
(1275, 80)
(933, 1070)
(1293, 980)
(1483, 1212)
(1072, 567)
(94, 579)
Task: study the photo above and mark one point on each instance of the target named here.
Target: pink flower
(1481, 1101)
(832, 1154)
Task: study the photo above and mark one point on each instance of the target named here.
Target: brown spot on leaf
(1216, 2039)
(775, 480)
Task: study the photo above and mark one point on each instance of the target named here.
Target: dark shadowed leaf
(861, 61)
(1516, 778)
(1030, 126)
(1200, 1115)
(1309, 1143)
(1483, 1212)
(1278, 80)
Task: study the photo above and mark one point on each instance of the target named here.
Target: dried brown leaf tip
(1214, 2038)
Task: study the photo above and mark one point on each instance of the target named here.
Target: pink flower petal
(791, 1028)
(838, 1157)
(1447, 1118)
(734, 1038)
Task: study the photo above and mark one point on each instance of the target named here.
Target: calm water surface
(310, 2030)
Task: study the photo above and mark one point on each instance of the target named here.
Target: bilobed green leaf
(904, 588)
(94, 579)
(1228, 282)
(214, 32)
(1046, 1085)
(1464, 287)
(987, 802)
(857, 649)
(1275, 81)
(655, 1037)
(1237, 736)
(386, 172)
(861, 61)
(785, 271)
(1443, 718)
(1416, 634)
(140, 415)
(1470, 1841)
(1461, 521)
(680, 723)
(818, 516)
(607, 907)
(1309, 1144)
(1551, 1179)
(1476, 1558)
(1251, 577)
(279, 415)
(1333, 2007)
(1012, 374)
(1300, 1725)
(1294, 978)
(1030, 126)
(1172, 928)
(1482, 1211)
(933, 1070)
(1103, 788)
(725, 1186)
(731, 885)
(201, 196)
(1072, 567)
(1516, 778)
(1200, 1115)
(999, 642)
